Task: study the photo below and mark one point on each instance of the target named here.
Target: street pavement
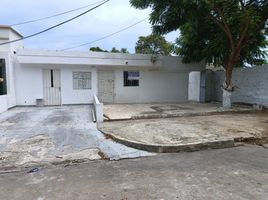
(235, 173)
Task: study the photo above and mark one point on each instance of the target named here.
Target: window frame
(82, 79)
(131, 83)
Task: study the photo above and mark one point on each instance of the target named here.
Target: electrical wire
(107, 36)
(55, 15)
(57, 25)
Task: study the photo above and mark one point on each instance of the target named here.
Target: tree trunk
(228, 73)
(228, 87)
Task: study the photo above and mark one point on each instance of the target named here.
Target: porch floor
(115, 112)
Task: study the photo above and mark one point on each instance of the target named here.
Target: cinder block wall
(252, 85)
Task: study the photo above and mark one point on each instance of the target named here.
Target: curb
(216, 144)
(178, 115)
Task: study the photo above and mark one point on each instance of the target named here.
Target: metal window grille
(131, 78)
(81, 80)
(3, 81)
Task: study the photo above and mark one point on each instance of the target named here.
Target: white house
(30, 77)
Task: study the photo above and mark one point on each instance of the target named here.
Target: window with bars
(131, 78)
(81, 80)
(3, 81)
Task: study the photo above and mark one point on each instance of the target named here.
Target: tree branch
(226, 27)
(242, 4)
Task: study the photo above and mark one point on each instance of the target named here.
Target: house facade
(39, 77)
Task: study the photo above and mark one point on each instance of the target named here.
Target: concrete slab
(36, 136)
(190, 133)
(115, 112)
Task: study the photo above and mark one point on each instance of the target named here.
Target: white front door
(106, 86)
(52, 87)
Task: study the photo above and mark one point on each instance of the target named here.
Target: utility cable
(57, 25)
(55, 15)
(107, 36)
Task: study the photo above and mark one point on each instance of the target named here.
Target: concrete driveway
(49, 135)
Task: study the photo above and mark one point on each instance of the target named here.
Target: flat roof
(12, 29)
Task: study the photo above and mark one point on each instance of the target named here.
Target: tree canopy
(153, 44)
(228, 33)
(97, 49)
(113, 50)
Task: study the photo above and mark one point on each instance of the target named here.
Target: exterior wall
(29, 84)
(154, 86)
(4, 37)
(7, 34)
(167, 83)
(163, 81)
(6, 52)
(71, 96)
(17, 45)
(252, 85)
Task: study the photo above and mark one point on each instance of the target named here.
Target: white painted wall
(154, 86)
(98, 109)
(7, 34)
(29, 84)
(6, 52)
(165, 83)
(3, 103)
(194, 86)
(71, 96)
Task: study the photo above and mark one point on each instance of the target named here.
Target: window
(3, 81)
(131, 78)
(81, 80)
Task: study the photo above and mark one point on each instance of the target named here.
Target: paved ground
(188, 133)
(33, 136)
(115, 112)
(228, 174)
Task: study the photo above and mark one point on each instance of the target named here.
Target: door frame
(59, 100)
(98, 86)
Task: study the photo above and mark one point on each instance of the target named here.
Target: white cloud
(106, 19)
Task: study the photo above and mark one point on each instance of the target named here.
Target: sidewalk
(189, 133)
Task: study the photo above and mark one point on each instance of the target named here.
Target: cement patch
(190, 133)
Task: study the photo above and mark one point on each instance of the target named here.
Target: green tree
(153, 44)
(227, 33)
(97, 49)
(114, 50)
(124, 50)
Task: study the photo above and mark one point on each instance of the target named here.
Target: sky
(109, 18)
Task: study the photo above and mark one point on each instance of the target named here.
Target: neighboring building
(7, 82)
(61, 78)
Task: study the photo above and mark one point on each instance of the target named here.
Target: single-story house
(30, 77)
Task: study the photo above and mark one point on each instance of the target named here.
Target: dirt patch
(103, 155)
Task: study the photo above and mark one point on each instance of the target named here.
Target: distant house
(28, 77)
